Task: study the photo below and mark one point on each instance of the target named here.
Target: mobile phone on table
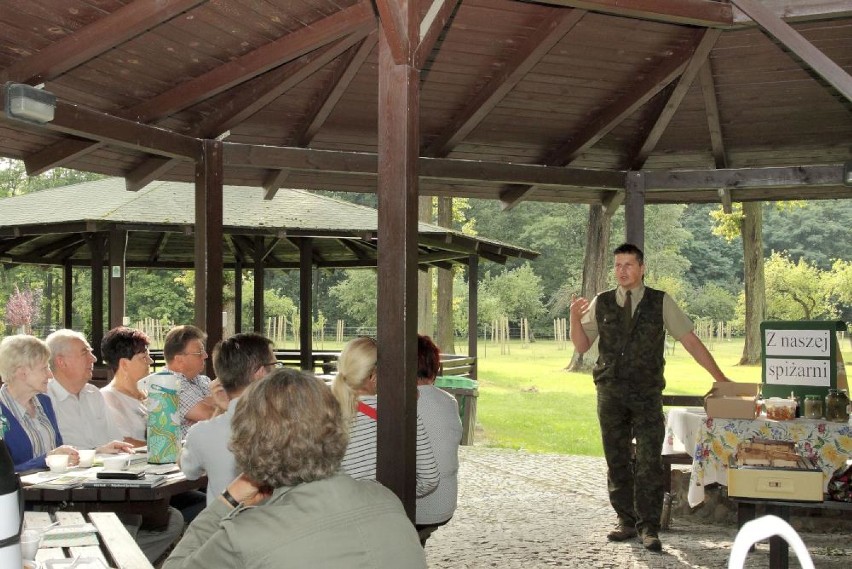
(121, 475)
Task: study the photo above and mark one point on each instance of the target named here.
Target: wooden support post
(67, 294)
(238, 296)
(634, 209)
(98, 247)
(472, 310)
(399, 145)
(117, 276)
(209, 244)
(306, 247)
(259, 276)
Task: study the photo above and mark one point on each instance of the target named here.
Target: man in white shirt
(238, 361)
(84, 422)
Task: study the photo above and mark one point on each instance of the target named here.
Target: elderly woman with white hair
(33, 431)
(292, 506)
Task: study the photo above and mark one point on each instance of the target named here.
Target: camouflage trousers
(635, 487)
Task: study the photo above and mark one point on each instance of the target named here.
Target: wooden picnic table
(112, 544)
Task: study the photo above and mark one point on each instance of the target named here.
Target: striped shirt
(38, 428)
(192, 392)
(360, 458)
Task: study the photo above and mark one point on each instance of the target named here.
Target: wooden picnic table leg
(779, 551)
(745, 513)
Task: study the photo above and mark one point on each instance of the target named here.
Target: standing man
(185, 355)
(631, 322)
(238, 361)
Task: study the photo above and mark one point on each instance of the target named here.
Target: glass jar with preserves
(813, 407)
(837, 406)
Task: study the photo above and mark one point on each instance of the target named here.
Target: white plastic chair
(763, 528)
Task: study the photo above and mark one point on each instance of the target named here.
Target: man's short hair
(288, 429)
(235, 359)
(177, 339)
(122, 342)
(60, 343)
(630, 249)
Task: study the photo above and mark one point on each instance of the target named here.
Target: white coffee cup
(116, 462)
(87, 457)
(30, 540)
(57, 462)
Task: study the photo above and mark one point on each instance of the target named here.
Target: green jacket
(331, 523)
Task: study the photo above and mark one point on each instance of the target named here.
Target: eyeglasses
(274, 365)
(200, 353)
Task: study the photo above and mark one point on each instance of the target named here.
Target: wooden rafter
(434, 22)
(159, 247)
(95, 39)
(739, 178)
(53, 248)
(684, 83)
(556, 24)
(804, 50)
(705, 13)
(711, 109)
(220, 79)
(257, 62)
(800, 10)
(395, 22)
(148, 171)
(609, 117)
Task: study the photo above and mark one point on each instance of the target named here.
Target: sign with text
(799, 357)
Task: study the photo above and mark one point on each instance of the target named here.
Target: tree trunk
(755, 289)
(595, 265)
(425, 323)
(446, 327)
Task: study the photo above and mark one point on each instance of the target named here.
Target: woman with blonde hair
(33, 430)
(292, 507)
(355, 389)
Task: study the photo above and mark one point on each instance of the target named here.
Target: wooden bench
(779, 553)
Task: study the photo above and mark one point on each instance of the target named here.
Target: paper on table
(82, 563)
(70, 536)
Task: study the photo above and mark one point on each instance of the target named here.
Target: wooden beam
(306, 304)
(711, 109)
(97, 38)
(397, 29)
(704, 13)
(67, 295)
(611, 202)
(57, 155)
(254, 63)
(51, 249)
(117, 272)
(237, 105)
(433, 23)
(804, 50)
(609, 117)
(159, 246)
(800, 10)
(684, 83)
(273, 183)
(556, 25)
(725, 198)
(634, 209)
(97, 245)
(208, 243)
(398, 146)
(148, 171)
(738, 178)
(347, 68)
(445, 169)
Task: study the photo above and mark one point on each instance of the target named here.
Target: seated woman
(440, 413)
(33, 430)
(125, 351)
(355, 389)
(291, 507)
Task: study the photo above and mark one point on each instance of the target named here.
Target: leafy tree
(817, 231)
(839, 288)
(711, 259)
(163, 295)
(357, 295)
(518, 293)
(795, 290)
(711, 302)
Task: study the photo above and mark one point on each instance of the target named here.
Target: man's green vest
(632, 356)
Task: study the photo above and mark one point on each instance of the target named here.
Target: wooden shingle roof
(50, 227)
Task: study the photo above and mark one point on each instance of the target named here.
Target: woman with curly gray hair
(291, 506)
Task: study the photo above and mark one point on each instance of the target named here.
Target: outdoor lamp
(847, 173)
(26, 103)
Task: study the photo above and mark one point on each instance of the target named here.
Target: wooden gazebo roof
(553, 100)
(50, 227)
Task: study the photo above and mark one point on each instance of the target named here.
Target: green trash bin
(466, 391)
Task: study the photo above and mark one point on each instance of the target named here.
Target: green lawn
(527, 401)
